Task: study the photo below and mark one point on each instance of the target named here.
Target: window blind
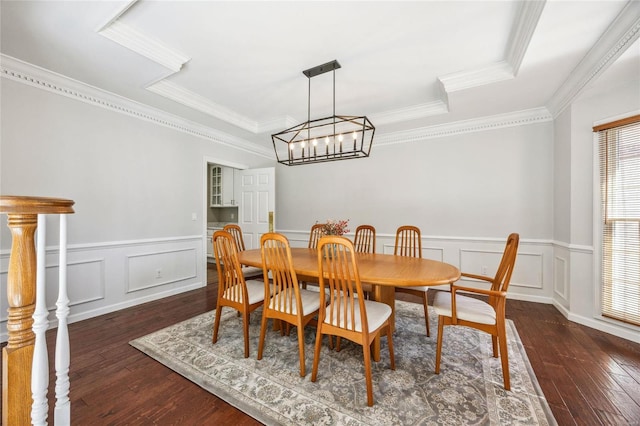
(619, 147)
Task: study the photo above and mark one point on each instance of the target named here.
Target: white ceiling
(237, 66)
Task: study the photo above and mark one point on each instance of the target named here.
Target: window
(619, 146)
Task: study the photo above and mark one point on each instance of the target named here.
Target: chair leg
(316, 353)
(216, 324)
(263, 332)
(439, 343)
(504, 355)
(426, 312)
(245, 326)
(366, 350)
(494, 343)
(392, 358)
(301, 349)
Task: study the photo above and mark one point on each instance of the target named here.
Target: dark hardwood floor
(588, 377)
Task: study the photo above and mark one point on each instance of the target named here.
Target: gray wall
(130, 178)
(483, 184)
(135, 183)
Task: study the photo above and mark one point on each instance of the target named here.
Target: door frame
(205, 198)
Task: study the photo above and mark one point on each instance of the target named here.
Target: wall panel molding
(159, 268)
(98, 275)
(560, 276)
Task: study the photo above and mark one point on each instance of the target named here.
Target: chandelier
(338, 137)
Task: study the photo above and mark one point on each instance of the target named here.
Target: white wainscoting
(532, 279)
(546, 271)
(107, 277)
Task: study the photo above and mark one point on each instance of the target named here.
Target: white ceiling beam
(524, 25)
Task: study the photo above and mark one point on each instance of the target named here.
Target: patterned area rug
(468, 390)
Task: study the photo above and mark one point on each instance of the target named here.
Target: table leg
(384, 294)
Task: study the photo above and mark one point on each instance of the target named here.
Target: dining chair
(365, 239)
(344, 312)
(409, 243)
(487, 316)
(288, 302)
(233, 290)
(236, 231)
(314, 236)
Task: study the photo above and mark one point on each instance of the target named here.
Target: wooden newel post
(17, 356)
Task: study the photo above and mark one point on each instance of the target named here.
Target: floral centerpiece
(335, 227)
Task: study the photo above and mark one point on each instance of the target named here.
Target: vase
(331, 251)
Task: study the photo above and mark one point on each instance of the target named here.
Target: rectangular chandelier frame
(338, 137)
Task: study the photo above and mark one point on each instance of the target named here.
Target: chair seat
(377, 314)
(467, 308)
(255, 292)
(251, 271)
(310, 302)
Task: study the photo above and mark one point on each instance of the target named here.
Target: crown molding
(136, 41)
(621, 34)
(23, 72)
(519, 118)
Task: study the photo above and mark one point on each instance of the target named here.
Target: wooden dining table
(383, 271)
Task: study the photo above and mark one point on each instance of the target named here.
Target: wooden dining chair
(365, 239)
(488, 316)
(288, 302)
(344, 312)
(409, 243)
(314, 236)
(236, 231)
(233, 290)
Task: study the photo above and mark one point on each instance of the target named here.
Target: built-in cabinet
(210, 242)
(221, 186)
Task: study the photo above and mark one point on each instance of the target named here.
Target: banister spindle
(40, 368)
(62, 413)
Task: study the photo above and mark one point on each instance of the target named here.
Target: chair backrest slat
(315, 235)
(408, 242)
(276, 259)
(231, 283)
(365, 239)
(505, 269)
(340, 283)
(236, 232)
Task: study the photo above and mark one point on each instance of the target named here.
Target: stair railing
(25, 362)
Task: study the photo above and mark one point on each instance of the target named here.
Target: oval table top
(375, 268)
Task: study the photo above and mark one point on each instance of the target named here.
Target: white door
(256, 191)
